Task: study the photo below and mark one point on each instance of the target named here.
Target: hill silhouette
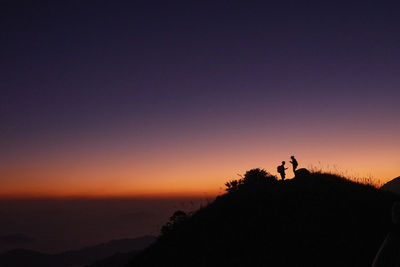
(316, 219)
(392, 185)
(25, 257)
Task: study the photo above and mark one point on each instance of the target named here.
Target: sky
(174, 98)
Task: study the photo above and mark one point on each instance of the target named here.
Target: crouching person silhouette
(281, 170)
(389, 252)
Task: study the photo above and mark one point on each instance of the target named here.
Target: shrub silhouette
(252, 177)
(174, 221)
(233, 185)
(257, 176)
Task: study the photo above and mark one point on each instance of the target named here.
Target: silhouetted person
(389, 253)
(294, 164)
(281, 169)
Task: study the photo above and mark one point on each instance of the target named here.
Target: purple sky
(77, 74)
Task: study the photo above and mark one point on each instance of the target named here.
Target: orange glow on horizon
(193, 167)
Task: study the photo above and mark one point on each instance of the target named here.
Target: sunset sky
(150, 98)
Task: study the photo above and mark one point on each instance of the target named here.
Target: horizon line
(111, 197)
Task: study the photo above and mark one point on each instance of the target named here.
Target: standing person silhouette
(281, 169)
(294, 163)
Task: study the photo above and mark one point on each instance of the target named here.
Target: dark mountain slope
(392, 186)
(116, 260)
(315, 220)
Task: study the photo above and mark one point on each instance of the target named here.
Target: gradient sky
(145, 98)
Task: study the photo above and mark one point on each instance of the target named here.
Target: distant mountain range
(16, 239)
(392, 185)
(88, 255)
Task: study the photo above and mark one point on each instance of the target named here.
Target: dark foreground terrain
(312, 220)
(392, 186)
